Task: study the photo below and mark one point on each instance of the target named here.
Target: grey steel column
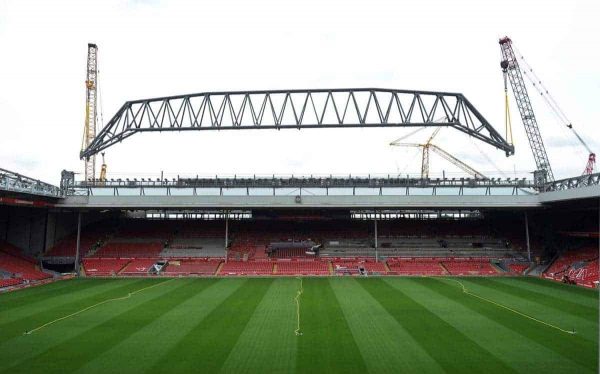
(226, 236)
(376, 253)
(527, 237)
(78, 242)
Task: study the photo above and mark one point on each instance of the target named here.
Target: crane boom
(89, 131)
(464, 167)
(510, 67)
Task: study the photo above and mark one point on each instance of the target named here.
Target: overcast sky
(158, 48)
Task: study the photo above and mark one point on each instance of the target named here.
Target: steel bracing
(297, 109)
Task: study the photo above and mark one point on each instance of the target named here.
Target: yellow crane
(427, 146)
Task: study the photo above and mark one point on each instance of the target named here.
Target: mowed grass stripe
(15, 324)
(565, 292)
(519, 352)
(326, 344)
(571, 347)
(206, 347)
(459, 353)
(588, 313)
(384, 344)
(26, 296)
(43, 301)
(143, 349)
(272, 324)
(124, 317)
(561, 287)
(532, 306)
(23, 347)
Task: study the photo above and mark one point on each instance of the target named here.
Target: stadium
(302, 273)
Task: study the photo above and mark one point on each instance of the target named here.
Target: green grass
(375, 325)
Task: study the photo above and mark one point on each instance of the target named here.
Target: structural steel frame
(15, 182)
(297, 109)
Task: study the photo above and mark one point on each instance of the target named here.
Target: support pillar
(527, 237)
(226, 236)
(376, 252)
(78, 243)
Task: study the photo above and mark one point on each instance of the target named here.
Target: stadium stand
(9, 282)
(518, 268)
(104, 266)
(301, 267)
(353, 266)
(192, 267)
(247, 268)
(129, 250)
(138, 266)
(469, 266)
(579, 266)
(415, 266)
(17, 265)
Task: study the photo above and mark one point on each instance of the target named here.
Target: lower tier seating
(10, 282)
(190, 267)
(21, 268)
(309, 267)
(415, 266)
(518, 268)
(469, 267)
(139, 266)
(247, 268)
(371, 266)
(104, 266)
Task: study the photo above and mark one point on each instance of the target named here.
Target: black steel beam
(297, 109)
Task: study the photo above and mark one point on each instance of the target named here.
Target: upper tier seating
(194, 247)
(103, 266)
(129, 250)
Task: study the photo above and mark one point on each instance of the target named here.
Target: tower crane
(89, 131)
(427, 146)
(511, 69)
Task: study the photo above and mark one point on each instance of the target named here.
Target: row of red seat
(130, 250)
(518, 268)
(21, 268)
(10, 282)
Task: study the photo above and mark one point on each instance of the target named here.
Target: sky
(151, 48)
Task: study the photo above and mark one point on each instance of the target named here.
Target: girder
(297, 109)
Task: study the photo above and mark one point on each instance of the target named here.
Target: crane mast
(89, 131)
(510, 68)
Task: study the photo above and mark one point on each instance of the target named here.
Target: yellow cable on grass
(464, 289)
(297, 299)
(93, 306)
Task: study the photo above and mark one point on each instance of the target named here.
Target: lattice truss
(297, 109)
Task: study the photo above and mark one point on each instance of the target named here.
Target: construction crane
(427, 146)
(511, 68)
(89, 131)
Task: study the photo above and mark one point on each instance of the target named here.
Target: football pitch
(309, 325)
